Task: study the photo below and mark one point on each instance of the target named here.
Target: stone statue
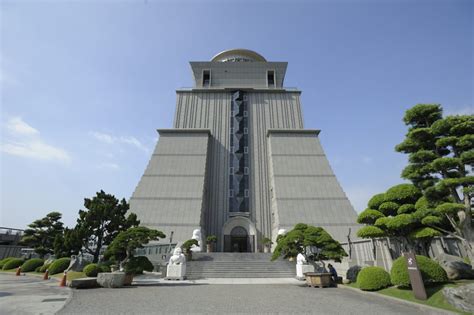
(176, 269)
(178, 257)
(197, 237)
(77, 263)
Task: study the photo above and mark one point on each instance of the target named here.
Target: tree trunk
(467, 227)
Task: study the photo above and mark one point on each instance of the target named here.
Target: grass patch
(435, 295)
(71, 275)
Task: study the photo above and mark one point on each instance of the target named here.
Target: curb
(417, 305)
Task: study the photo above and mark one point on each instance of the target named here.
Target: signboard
(415, 277)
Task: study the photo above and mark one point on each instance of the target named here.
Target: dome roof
(237, 55)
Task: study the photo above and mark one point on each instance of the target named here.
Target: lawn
(435, 295)
(71, 275)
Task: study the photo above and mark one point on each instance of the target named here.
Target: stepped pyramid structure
(238, 163)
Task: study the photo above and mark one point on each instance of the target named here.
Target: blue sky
(85, 84)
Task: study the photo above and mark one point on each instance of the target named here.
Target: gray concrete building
(238, 163)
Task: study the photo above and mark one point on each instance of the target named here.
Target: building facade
(238, 163)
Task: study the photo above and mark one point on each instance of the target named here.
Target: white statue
(197, 237)
(281, 231)
(176, 269)
(300, 259)
(178, 257)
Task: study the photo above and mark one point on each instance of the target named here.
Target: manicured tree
(303, 235)
(41, 233)
(103, 220)
(126, 242)
(441, 153)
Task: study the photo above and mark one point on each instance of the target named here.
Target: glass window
(231, 193)
(206, 78)
(231, 171)
(246, 113)
(246, 192)
(246, 150)
(246, 130)
(271, 78)
(246, 170)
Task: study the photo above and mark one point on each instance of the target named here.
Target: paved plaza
(29, 295)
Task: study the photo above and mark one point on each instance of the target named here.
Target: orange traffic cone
(18, 271)
(46, 275)
(63, 280)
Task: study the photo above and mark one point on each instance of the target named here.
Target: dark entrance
(238, 241)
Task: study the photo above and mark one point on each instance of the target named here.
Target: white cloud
(103, 137)
(16, 126)
(467, 110)
(110, 139)
(25, 142)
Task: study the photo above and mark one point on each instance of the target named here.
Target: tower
(238, 163)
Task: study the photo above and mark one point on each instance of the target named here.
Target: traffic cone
(63, 280)
(18, 271)
(46, 275)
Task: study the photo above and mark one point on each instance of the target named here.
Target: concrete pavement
(31, 295)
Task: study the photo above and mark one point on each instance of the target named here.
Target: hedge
(32, 264)
(4, 261)
(59, 265)
(431, 271)
(13, 263)
(44, 267)
(373, 279)
(91, 270)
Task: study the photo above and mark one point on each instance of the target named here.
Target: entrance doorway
(238, 241)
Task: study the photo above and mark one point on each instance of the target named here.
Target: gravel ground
(225, 299)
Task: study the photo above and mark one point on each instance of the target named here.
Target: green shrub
(403, 193)
(104, 268)
(370, 231)
(4, 261)
(369, 216)
(373, 279)
(136, 265)
(38, 269)
(59, 265)
(44, 267)
(406, 208)
(91, 270)
(13, 263)
(431, 271)
(376, 201)
(389, 208)
(401, 221)
(32, 264)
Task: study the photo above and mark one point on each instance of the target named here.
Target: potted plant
(211, 240)
(267, 243)
(186, 247)
(124, 245)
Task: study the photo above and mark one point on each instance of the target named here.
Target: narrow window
(231, 170)
(232, 130)
(206, 78)
(246, 150)
(246, 170)
(246, 193)
(271, 78)
(231, 149)
(246, 130)
(231, 193)
(246, 113)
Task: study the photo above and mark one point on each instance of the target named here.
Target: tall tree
(441, 156)
(104, 219)
(41, 233)
(67, 243)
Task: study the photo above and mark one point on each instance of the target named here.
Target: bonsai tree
(123, 246)
(303, 236)
(41, 233)
(186, 247)
(211, 240)
(266, 244)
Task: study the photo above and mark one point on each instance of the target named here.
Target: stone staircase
(238, 265)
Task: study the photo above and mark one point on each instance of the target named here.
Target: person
(333, 273)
